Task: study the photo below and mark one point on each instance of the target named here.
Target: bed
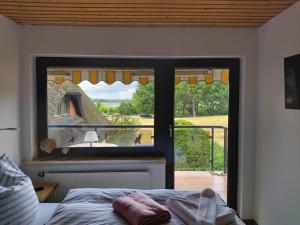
(90, 206)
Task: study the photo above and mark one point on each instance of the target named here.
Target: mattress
(91, 206)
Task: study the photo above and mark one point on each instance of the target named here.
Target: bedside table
(43, 190)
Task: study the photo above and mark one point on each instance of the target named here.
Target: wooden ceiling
(191, 13)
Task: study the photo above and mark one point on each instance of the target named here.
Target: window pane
(200, 134)
(100, 107)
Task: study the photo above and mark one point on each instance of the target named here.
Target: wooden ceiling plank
(250, 25)
(241, 16)
(153, 6)
(135, 22)
(173, 2)
(9, 11)
(20, 8)
(142, 19)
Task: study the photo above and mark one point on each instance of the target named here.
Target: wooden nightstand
(46, 189)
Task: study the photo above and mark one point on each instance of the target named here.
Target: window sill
(102, 160)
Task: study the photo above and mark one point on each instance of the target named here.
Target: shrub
(122, 136)
(192, 148)
(218, 157)
(126, 108)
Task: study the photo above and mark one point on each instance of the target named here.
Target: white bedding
(90, 206)
(45, 211)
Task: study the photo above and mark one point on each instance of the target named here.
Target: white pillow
(18, 200)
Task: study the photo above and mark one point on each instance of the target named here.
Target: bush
(122, 136)
(126, 108)
(192, 148)
(106, 109)
(218, 157)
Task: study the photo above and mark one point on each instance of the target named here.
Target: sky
(114, 91)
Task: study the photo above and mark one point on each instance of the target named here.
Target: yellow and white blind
(127, 76)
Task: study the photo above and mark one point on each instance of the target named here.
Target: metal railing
(211, 136)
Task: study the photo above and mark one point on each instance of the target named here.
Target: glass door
(203, 95)
(201, 102)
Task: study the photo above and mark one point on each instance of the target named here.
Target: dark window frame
(42, 63)
(164, 110)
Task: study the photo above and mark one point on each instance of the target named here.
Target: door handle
(170, 131)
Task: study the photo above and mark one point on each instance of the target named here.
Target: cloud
(117, 90)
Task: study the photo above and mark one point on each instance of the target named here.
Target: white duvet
(91, 206)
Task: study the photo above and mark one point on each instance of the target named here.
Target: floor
(195, 180)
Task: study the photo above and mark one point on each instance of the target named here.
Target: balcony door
(203, 129)
(201, 103)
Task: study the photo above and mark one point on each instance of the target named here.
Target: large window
(86, 109)
(100, 107)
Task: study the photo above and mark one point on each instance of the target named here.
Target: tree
(126, 108)
(143, 98)
(214, 100)
(187, 99)
(201, 99)
(190, 100)
(122, 136)
(98, 105)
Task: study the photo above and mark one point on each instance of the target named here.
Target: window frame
(42, 63)
(164, 110)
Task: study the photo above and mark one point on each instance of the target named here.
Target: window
(99, 108)
(135, 115)
(89, 107)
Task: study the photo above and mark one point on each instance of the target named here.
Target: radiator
(123, 179)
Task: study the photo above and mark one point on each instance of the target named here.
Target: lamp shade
(91, 136)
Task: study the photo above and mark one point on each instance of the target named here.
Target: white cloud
(117, 90)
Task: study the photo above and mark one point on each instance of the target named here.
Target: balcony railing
(211, 130)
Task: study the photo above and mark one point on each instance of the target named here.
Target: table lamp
(91, 136)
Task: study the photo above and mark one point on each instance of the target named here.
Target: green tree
(143, 98)
(201, 99)
(122, 136)
(187, 99)
(98, 105)
(214, 99)
(127, 108)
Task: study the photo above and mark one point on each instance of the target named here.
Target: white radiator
(122, 179)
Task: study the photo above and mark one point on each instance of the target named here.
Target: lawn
(201, 120)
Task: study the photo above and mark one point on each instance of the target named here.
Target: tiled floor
(196, 180)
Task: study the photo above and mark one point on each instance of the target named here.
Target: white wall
(9, 88)
(214, 42)
(277, 176)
